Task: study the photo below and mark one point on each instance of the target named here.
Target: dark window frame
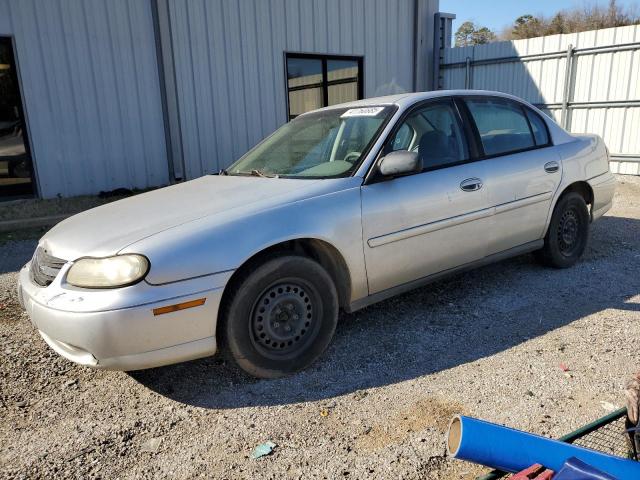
(469, 130)
(372, 175)
(325, 83)
(527, 111)
(468, 119)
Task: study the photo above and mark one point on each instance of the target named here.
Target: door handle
(551, 167)
(471, 184)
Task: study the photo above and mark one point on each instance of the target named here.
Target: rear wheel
(279, 317)
(568, 232)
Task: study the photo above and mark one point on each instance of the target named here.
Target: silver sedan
(340, 208)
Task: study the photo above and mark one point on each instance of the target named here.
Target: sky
(497, 14)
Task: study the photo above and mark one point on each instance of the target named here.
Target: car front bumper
(117, 329)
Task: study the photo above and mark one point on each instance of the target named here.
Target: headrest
(433, 148)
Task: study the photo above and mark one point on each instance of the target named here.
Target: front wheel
(279, 317)
(568, 232)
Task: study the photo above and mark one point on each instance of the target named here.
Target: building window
(315, 81)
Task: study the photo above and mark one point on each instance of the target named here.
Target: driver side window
(435, 133)
(403, 138)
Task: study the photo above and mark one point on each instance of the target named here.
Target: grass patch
(23, 234)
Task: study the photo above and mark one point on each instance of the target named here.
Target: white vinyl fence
(589, 82)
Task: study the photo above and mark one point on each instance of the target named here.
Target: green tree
(577, 19)
(557, 24)
(470, 34)
(527, 26)
(483, 35)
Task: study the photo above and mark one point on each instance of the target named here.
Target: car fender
(583, 159)
(222, 243)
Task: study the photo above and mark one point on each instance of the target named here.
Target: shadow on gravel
(435, 328)
(14, 254)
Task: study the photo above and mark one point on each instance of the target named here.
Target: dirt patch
(431, 413)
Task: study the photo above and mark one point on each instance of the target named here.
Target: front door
(422, 224)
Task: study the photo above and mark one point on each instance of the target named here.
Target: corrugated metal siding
(538, 81)
(90, 84)
(229, 63)
(597, 77)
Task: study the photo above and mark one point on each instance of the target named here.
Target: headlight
(108, 272)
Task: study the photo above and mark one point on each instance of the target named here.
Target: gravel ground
(486, 343)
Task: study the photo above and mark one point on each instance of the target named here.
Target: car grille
(44, 267)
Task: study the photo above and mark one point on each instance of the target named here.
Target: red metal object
(534, 472)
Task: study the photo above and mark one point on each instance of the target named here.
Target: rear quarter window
(538, 127)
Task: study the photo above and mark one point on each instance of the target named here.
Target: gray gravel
(487, 343)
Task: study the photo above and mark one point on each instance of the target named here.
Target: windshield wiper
(254, 173)
(260, 173)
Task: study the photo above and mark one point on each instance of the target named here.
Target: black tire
(568, 233)
(279, 316)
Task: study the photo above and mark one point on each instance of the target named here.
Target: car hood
(107, 229)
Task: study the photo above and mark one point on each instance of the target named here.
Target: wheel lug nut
(276, 324)
(287, 328)
(290, 307)
(295, 317)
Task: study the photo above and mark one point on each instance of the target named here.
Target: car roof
(406, 99)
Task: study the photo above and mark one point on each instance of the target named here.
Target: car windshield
(328, 143)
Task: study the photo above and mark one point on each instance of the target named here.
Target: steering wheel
(352, 157)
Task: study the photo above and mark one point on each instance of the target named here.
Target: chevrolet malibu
(340, 208)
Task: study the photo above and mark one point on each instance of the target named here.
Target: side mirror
(400, 162)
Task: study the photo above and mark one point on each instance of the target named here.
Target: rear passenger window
(502, 125)
(539, 128)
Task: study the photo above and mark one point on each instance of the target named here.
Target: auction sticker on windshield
(362, 112)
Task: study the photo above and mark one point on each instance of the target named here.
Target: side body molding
(457, 220)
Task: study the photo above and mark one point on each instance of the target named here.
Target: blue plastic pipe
(511, 450)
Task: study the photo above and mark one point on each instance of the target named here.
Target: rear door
(428, 222)
(523, 170)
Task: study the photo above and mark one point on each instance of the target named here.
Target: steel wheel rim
(569, 232)
(284, 319)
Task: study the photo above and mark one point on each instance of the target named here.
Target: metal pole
(567, 92)
(441, 41)
(467, 74)
(437, 49)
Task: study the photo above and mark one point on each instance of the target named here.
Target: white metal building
(141, 93)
